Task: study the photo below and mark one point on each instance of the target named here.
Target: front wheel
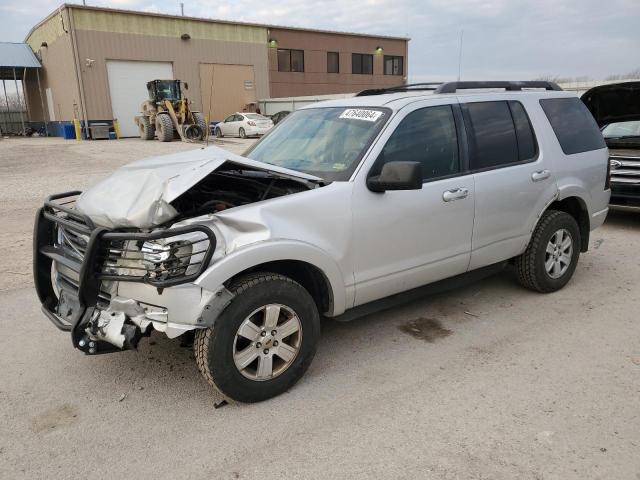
(164, 127)
(551, 257)
(263, 342)
(242, 133)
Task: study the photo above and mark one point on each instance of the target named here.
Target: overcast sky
(503, 39)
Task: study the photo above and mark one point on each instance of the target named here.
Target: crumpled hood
(617, 102)
(139, 194)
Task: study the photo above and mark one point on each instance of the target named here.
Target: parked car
(277, 117)
(243, 125)
(616, 108)
(357, 200)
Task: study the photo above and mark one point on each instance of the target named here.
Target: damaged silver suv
(343, 204)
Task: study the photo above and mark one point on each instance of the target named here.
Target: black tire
(198, 118)
(214, 347)
(242, 133)
(147, 131)
(218, 133)
(530, 266)
(164, 127)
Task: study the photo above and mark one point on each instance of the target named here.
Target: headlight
(166, 260)
(176, 258)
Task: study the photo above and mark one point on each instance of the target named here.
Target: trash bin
(69, 131)
(99, 131)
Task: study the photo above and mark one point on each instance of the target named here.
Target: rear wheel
(551, 257)
(264, 340)
(242, 133)
(164, 127)
(147, 131)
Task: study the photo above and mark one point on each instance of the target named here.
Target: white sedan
(243, 125)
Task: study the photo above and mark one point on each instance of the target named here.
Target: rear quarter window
(573, 125)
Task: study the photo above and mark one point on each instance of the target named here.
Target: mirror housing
(397, 176)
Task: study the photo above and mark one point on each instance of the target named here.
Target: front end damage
(94, 282)
(111, 267)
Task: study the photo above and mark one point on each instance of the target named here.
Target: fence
(10, 122)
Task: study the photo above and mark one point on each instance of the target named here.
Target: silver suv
(344, 203)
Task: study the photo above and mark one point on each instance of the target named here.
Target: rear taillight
(607, 181)
(253, 124)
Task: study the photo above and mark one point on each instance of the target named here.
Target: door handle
(540, 175)
(455, 194)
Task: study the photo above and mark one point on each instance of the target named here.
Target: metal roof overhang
(15, 57)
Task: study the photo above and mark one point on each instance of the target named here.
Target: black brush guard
(73, 309)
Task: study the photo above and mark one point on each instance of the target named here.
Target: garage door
(128, 89)
(226, 89)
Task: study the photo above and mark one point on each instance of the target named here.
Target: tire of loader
(193, 132)
(164, 127)
(147, 131)
(199, 120)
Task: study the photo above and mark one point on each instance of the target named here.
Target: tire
(147, 131)
(554, 227)
(215, 347)
(199, 120)
(218, 132)
(242, 133)
(164, 127)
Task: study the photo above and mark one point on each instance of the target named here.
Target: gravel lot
(498, 383)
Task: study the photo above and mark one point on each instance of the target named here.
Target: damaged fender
(271, 251)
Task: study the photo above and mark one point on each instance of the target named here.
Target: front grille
(74, 243)
(625, 170)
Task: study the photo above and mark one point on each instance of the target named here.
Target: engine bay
(232, 186)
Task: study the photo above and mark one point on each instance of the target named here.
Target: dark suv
(616, 108)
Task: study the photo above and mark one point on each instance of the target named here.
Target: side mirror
(186, 86)
(397, 176)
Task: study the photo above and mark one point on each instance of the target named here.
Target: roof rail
(409, 87)
(453, 87)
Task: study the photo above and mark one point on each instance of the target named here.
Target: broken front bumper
(86, 260)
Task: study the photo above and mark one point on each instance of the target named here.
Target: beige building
(96, 63)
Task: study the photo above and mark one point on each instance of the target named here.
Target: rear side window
(493, 135)
(573, 125)
(527, 146)
(427, 136)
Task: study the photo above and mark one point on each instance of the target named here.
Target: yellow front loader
(167, 114)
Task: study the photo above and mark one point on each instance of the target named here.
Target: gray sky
(503, 39)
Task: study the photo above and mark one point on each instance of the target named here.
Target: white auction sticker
(361, 114)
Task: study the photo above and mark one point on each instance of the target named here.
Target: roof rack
(409, 87)
(453, 87)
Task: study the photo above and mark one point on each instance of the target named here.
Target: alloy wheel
(558, 253)
(267, 342)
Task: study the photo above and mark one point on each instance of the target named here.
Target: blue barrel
(69, 131)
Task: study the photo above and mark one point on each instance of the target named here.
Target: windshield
(325, 142)
(168, 89)
(622, 129)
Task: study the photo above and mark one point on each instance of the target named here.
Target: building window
(361, 63)
(290, 60)
(393, 65)
(333, 62)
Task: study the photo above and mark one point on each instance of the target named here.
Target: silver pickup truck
(342, 204)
